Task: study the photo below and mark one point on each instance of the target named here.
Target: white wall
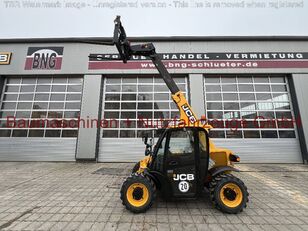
(75, 56)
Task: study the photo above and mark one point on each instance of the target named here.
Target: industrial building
(58, 105)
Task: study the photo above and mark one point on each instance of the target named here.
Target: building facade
(57, 104)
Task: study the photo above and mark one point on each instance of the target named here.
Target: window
(161, 149)
(202, 144)
(159, 163)
(181, 148)
(181, 143)
(39, 105)
(138, 103)
(249, 106)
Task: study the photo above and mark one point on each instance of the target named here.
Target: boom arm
(186, 113)
(126, 51)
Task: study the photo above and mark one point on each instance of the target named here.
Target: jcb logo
(182, 177)
(5, 58)
(189, 113)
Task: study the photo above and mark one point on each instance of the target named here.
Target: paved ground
(69, 196)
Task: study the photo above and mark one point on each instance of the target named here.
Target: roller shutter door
(131, 98)
(253, 116)
(45, 111)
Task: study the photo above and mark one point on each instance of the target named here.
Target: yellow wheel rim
(137, 194)
(231, 195)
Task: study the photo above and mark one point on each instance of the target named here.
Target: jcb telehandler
(178, 165)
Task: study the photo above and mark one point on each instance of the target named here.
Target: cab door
(180, 162)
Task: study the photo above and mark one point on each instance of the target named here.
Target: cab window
(202, 144)
(159, 163)
(161, 149)
(181, 142)
(181, 148)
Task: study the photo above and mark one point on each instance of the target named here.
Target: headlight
(234, 158)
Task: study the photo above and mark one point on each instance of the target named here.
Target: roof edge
(156, 39)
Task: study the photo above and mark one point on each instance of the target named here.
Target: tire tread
(134, 178)
(222, 179)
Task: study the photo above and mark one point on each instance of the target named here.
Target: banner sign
(5, 58)
(44, 58)
(205, 61)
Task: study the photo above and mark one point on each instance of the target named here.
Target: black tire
(219, 186)
(136, 167)
(148, 190)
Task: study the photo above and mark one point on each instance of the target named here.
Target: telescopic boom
(126, 51)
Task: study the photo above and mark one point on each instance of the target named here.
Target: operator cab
(180, 161)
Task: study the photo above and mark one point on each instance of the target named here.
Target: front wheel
(228, 193)
(138, 193)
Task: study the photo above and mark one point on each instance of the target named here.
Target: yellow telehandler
(178, 165)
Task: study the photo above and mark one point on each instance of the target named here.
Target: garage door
(38, 118)
(253, 116)
(132, 105)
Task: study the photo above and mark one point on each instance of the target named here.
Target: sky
(153, 18)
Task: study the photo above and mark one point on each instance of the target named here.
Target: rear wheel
(228, 193)
(138, 193)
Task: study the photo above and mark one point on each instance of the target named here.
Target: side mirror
(145, 139)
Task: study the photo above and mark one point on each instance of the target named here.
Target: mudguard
(217, 170)
(160, 182)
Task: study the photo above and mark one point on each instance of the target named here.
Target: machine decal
(5, 58)
(189, 113)
(44, 58)
(183, 177)
(184, 186)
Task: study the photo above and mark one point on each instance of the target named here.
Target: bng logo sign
(44, 58)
